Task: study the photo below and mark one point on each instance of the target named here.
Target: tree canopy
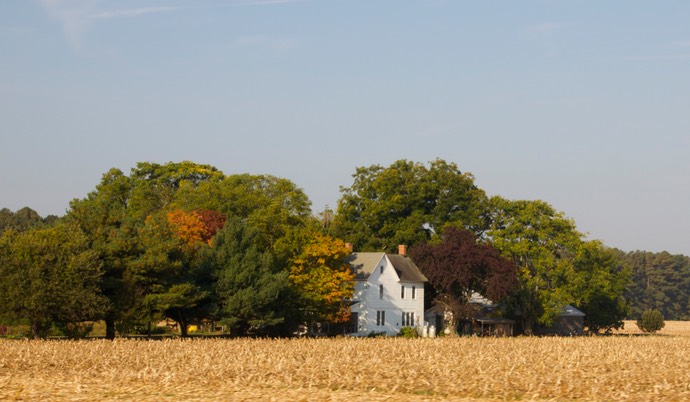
(406, 203)
(598, 286)
(23, 219)
(542, 242)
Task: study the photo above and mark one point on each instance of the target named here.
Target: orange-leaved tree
(195, 227)
(323, 279)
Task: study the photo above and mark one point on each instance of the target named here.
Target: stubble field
(621, 367)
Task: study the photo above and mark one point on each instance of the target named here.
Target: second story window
(414, 292)
(402, 291)
(380, 291)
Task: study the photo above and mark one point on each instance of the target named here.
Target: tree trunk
(183, 330)
(109, 329)
(38, 330)
(183, 325)
(528, 327)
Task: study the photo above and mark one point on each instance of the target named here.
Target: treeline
(181, 241)
(23, 219)
(659, 281)
(186, 242)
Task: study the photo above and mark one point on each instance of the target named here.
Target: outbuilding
(568, 323)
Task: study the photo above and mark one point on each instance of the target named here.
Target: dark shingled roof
(406, 269)
(363, 264)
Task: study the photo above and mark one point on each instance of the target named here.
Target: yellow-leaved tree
(322, 277)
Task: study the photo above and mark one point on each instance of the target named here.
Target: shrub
(408, 332)
(650, 321)
(75, 330)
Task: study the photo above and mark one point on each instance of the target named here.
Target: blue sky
(583, 104)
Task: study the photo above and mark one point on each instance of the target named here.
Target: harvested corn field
(585, 368)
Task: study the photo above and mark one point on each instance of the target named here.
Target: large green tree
(556, 266)
(406, 203)
(49, 276)
(253, 291)
(103, 215)
(543, 243)
(170, 274)
(598, 285)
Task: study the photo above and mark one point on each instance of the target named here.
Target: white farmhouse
(389, 293)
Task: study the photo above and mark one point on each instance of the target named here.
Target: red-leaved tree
(461, 265)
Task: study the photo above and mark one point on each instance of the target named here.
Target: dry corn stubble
(584, 368)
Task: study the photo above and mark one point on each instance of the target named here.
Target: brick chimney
(402, 249)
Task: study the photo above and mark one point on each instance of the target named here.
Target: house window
(354, 323)
(380, 291)
(380, 318)
(402, 291)
(381, 269)
(414, 288)
(408, 319)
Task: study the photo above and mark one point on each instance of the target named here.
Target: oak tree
(407, 203)
(542, 242)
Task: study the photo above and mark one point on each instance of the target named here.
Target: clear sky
(583, 104)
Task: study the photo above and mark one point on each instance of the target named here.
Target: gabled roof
(570, 311)
(406, 269)
(363, 264)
